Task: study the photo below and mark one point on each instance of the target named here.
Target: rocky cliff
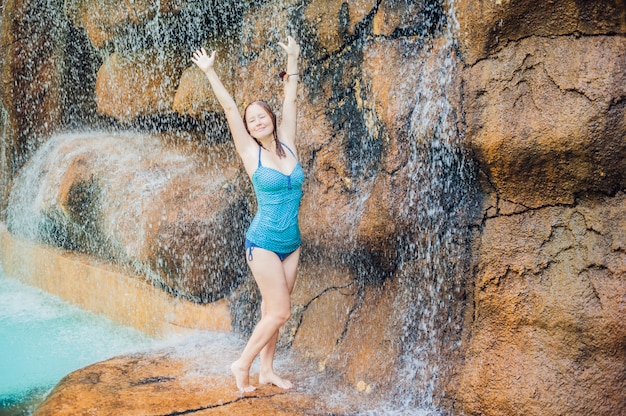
(464, 212)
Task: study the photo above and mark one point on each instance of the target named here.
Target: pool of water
(43, 338)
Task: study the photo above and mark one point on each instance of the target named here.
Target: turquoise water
(43, 338)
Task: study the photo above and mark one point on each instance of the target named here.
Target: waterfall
(435, 255)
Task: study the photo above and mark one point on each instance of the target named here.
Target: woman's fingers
(291, 47)
(202, 53)
(202, 59)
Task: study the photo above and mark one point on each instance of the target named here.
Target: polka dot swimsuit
(275, 225)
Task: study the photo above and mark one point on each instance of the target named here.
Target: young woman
(272, 247)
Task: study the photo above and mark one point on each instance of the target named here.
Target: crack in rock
(199, 409)
(151, 380)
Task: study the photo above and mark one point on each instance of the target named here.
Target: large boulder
(103, 21)
(545, 129)
(122, 25)
(486, 26)
(549, 313)
(175, 216)
(186, 378)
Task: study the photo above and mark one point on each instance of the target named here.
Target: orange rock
(194, 96)
(176, 217)
(31, 91)
(141, 85)
(265, 24)
(546, 129)
(319, 300)
(548, 321)
(103, 21)
(257, 79)
(367, 353)
(325, 213)
(393, 94)
(166, 382)
(486, 25)
(401, 18)
(336, 19)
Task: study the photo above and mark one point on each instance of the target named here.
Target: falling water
(435, 268)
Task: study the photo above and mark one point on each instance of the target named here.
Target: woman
(272, 246)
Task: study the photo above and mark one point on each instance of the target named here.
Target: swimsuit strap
(288, 148)
(294, 155)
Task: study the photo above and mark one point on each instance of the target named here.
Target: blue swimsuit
(275, 225)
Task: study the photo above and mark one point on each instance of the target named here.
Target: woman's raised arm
(243, 142)
(287, 131)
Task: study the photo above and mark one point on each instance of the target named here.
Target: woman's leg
(267, 374)
(268, 272)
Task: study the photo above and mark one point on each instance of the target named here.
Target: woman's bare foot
(273, 378)
(242, 377)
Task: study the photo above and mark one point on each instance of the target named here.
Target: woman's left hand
(292, 48)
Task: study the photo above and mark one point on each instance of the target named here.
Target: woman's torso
(275, 225)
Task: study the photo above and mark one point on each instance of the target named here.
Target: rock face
(186, 378)
(548, 135)
(132, 200)
(567, 118)
(550, 298)
(487, 26)
(464, 207)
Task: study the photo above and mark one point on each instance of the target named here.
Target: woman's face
(259, 122)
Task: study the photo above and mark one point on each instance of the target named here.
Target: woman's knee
(280, 316)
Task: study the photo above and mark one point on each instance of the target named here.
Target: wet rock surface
(142, 204)
(546, 129)
(517, 308)
(188, 378)
(549, 316)
(486, 26)
(547, 134)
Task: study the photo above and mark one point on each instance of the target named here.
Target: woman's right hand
(203, 60)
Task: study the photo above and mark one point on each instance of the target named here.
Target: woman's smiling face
(259, 122)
